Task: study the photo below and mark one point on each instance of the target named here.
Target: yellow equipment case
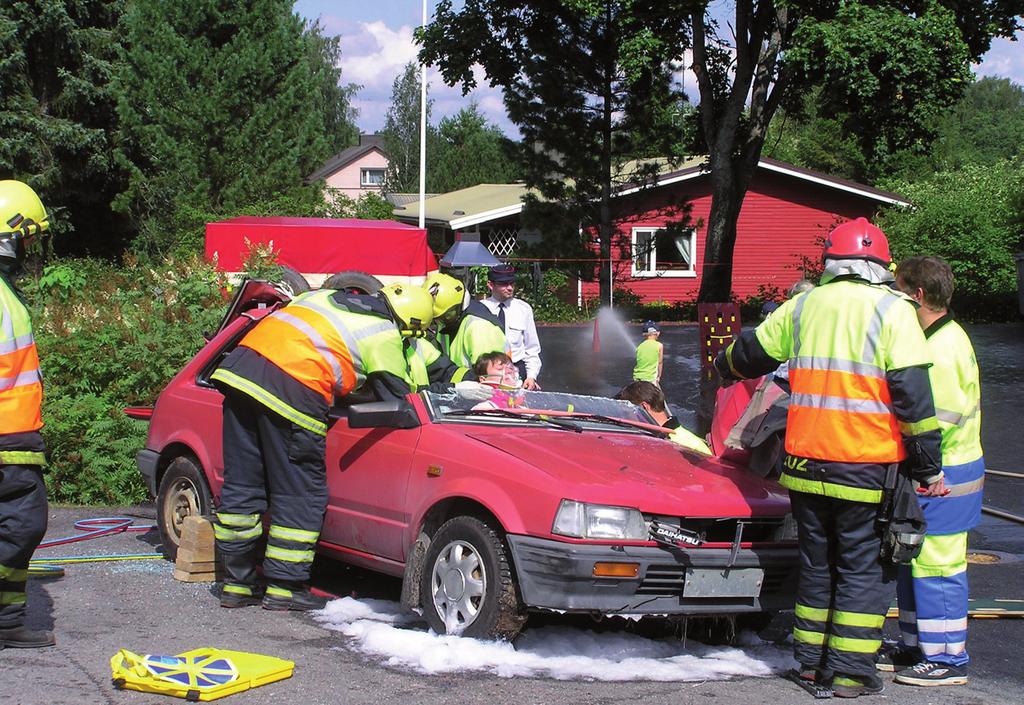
(197, 675)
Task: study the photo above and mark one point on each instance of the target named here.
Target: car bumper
(147, 461)
(559, 576)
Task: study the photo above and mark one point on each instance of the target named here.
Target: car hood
(652, 474)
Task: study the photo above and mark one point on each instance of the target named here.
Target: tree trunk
(726, 199)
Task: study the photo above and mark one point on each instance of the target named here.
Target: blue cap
(768, 307)
(649, 327)
(502, 274)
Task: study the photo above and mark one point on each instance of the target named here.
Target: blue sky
(376, 42)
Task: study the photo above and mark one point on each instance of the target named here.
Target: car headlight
(599, 521)
(788, 531)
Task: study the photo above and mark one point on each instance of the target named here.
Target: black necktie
(501, 315)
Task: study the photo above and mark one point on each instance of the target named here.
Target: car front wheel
(183, 492)
(467, 586)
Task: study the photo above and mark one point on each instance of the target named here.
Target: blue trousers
(932, 595)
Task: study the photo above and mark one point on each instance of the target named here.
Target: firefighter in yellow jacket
(466, 329)
(23, 508)
(279, 385)
(861, 402)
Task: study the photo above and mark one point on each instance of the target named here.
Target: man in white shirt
(516, 317)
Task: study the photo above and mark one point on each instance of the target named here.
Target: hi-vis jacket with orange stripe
(861, 399)
(324, 344)
(21, 385)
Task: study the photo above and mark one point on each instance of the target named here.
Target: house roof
(486, 202)
(469, 206)
(367, 144)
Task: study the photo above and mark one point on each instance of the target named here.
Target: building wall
(782, 219)
(346, 179)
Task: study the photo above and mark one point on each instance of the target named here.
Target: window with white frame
(371, 177)
(662, 252)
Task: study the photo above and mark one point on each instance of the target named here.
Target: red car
(564, 503)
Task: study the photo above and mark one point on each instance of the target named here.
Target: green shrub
(112, 336)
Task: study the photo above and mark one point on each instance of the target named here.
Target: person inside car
(651, 399)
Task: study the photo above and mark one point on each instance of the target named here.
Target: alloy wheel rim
(458, 585)
(182, 502)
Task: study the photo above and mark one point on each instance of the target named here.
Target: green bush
(109, 337)
(968, 217)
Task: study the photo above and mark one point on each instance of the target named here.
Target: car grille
(668, 580)
(724, 530)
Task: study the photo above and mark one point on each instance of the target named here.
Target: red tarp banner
(324, 246)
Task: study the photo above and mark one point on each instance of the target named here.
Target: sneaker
(24, 638)
(931, 673)
(855, 686)
(893, 658)
(232, 596)
(281, 597)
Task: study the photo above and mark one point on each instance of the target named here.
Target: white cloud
(373, 54)
(1004, 60)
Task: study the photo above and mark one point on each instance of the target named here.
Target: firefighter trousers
(23, 514)
(844, 590)
(270, 465)
(932, 594)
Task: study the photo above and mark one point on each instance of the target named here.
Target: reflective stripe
(351, 339)
(288, 555)
(242, 520)
(223, 534)
(952, 417)
(834, 364)
(814, 614)
(237, 589)
(319, 344)
(13, 575)
(728, 359)
(874, 332)
(965, 488)
(942, 625)
(916, 428)
(22, 457)
(270, 401)
(797, 310)
(858, 619)
(831, 489)
(929, 649)
(808, 637)
(460, 373)
(857, 646)
(297, 535)
(12, 598)
(275, 591)
(849, 682)
(858, 406)
(14, 343)
(20, 380)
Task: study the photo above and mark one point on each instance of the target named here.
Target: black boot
(291, 596)
(24, 638)
(239, 596)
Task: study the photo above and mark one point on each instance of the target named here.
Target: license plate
(723, 582)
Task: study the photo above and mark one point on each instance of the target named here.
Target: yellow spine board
(197, 675)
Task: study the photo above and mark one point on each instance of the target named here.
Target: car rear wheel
(183, 493)
(467, 584)
(294, 282)
(353, 282)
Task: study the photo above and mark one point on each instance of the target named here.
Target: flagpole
(423, 130)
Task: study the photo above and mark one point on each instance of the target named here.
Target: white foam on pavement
(383, 630)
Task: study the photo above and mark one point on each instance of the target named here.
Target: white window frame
(653, 255)
(364, 171)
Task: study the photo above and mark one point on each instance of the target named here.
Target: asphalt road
(98, 608)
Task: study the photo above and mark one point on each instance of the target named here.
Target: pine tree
(57, 115)
(469, 151)
(222, 103)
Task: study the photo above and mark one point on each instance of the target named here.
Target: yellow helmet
(412, 306)
(21, 216)
(448, 292)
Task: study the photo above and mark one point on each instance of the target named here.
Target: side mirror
(397, 413)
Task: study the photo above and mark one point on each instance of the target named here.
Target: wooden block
(191, 552)
(196, 566)
(187, 577)
(200, 527)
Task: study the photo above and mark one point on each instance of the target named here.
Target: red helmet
(858, 239)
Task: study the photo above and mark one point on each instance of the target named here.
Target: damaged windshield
(514, 407)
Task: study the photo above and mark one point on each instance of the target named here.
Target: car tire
(293, 281)
(469, 553)
(353, 282)
(183, 492)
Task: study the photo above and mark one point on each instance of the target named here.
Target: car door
(367, 479)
